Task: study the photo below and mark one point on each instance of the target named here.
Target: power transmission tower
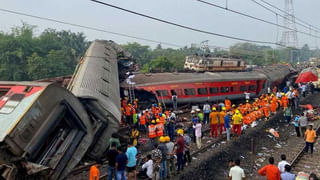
(289, 37)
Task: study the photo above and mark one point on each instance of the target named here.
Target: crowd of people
(172, 141)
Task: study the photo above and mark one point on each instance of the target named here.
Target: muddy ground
(213, 164)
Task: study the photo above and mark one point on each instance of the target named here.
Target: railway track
(306, 162)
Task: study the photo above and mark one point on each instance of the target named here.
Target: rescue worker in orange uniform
(227, 104)
(285, 101)
(135, 103)
(152, 131)
(124, 102)
(159, 129)
(142, 121)
(237, 122)
(129, 114)
(222, 114)
(214, 122)
(94, 173)
(274, 104)
(247, 107)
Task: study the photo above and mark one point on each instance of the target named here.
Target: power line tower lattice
(289, 37)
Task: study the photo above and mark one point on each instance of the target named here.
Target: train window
(252, 88)
(224, 89)
(243, 88)
(213, 90)
(202, 91)
(231, 89)
(189, 92)
(162, 93)
(173, 92)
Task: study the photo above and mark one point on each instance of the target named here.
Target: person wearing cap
(152, 131)
(171, 169)
(200, 115)
(310, 138)
(198, 133)
(163, 162)
(221, 119)
(159, 128)
(214, 122)
(179, 144)
(237, 122)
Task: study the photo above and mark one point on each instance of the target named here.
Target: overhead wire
(289, 14)
(90, 28)
(255, 18)
(284, 17)
(185, 26)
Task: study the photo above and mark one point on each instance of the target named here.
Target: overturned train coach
(208, 86)
(46, 129)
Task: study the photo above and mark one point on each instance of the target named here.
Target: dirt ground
(213, 164)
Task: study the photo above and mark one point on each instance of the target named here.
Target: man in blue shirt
(131, 165)
(287, 175)
(227, 124)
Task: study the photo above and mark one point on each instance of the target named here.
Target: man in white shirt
(247, 94)
(282, 163)
(148, 166)
(236, 172)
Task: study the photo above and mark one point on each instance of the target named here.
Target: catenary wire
(185, 26)
(284, 17)
(255, 18)
(90, 28)
(290, 14)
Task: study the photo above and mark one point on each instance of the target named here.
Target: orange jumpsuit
(214, 123)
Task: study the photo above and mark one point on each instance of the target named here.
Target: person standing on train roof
(214, 122)
(227, 103)
(237, 122)
(222, 114)
(206, 111)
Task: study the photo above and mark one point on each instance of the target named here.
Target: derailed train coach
(46, 129)
(208, 86)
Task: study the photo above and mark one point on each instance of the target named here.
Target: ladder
(131, 93)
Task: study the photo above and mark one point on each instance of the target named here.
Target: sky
(187, 12)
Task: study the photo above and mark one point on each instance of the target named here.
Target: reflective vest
(162, 120)
(143, 119)
(159, 129)
(152, 131)
(128, 111)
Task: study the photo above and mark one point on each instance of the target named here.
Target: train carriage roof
(170, 78)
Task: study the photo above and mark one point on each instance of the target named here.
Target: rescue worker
(129, 114)
(152, 131)
(94, 173)
(214, 122)
(135, 103)
(284, 100)
(134, 136)
(237, 122)
(142, 122)
(221, 119)
(227, 104)
(200, 115)
(159, 128)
